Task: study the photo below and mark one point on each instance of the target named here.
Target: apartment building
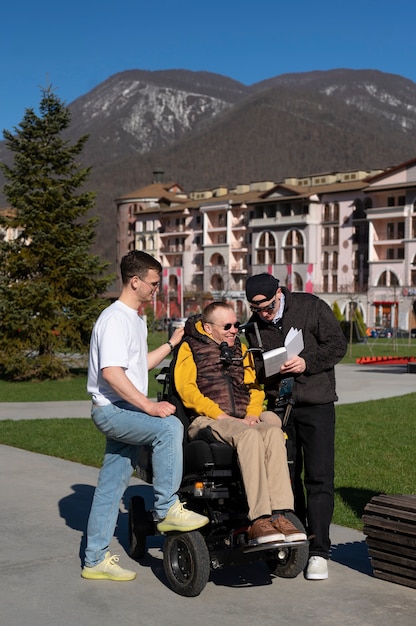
(349, 237)
(391, 215)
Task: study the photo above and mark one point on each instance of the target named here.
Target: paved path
(45, 505)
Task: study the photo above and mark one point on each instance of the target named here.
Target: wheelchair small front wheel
(186, 562)
(291, 561)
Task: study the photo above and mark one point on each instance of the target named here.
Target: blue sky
(78, 44)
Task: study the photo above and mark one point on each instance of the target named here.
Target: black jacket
(325, 345)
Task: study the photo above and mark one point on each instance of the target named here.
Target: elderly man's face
(222, 326)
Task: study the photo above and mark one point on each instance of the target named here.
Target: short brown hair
(138, 263)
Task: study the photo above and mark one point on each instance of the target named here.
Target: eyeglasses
(227, 326)
(153, 286)
(264, 309)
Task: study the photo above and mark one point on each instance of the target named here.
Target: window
(285, 209)
(388, 279)
(400, 230)
(358, 209)
(266, 249)
(293, 249)
(390, 231)
(217, 283)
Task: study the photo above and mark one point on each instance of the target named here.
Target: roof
(392, 170)
(154, 191)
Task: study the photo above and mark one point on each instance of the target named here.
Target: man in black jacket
(275, 310)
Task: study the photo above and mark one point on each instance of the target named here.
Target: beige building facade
(348, 237)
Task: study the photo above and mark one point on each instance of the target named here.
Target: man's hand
(177, 335)
(251, 420)
(161, 409)
(296, 365)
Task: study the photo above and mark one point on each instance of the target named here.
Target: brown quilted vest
(221, 381)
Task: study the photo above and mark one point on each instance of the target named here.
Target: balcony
(239, 245)
(175, 249)
(175, 230)
(238, 268)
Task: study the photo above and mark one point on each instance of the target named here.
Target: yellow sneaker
(180, 519)
(108, 570)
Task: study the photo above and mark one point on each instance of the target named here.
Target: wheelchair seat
(204, 450)
(199, 454)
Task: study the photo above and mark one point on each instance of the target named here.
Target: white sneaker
(317, 568)
(180, 519)
(108, 569)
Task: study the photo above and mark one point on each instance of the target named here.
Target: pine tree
(50, 283)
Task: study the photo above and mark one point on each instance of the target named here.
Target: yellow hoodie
(185, 376)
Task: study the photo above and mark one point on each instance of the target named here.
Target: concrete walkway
(45, 505)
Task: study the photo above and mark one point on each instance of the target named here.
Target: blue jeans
(126, 428)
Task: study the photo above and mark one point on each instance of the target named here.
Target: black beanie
(261, 285)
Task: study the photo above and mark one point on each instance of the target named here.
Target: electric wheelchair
(212, 486)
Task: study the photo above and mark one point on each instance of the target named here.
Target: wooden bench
(390, 527)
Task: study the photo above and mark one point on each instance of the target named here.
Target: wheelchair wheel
(290, 562)
(137, 528)
(186, 562)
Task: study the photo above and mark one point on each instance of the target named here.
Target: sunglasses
(227, 326)
(264, 309)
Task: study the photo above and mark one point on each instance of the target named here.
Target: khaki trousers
(262, 458)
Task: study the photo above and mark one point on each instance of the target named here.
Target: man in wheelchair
(215, 379)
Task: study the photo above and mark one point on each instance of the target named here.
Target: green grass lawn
(374, 449)
(72, 388)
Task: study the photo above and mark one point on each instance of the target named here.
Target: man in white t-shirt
(117, 380)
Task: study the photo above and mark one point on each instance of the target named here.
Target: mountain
(206, 130)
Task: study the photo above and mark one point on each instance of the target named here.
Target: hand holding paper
(274, 359)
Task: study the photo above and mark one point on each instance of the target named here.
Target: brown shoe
(285, 526)
(262, 531)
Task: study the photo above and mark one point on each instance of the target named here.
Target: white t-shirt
(119, 338)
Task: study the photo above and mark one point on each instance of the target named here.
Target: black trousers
(313, 430)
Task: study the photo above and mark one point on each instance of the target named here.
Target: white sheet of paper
(274, 359)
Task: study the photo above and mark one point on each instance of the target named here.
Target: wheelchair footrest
(275, 545)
